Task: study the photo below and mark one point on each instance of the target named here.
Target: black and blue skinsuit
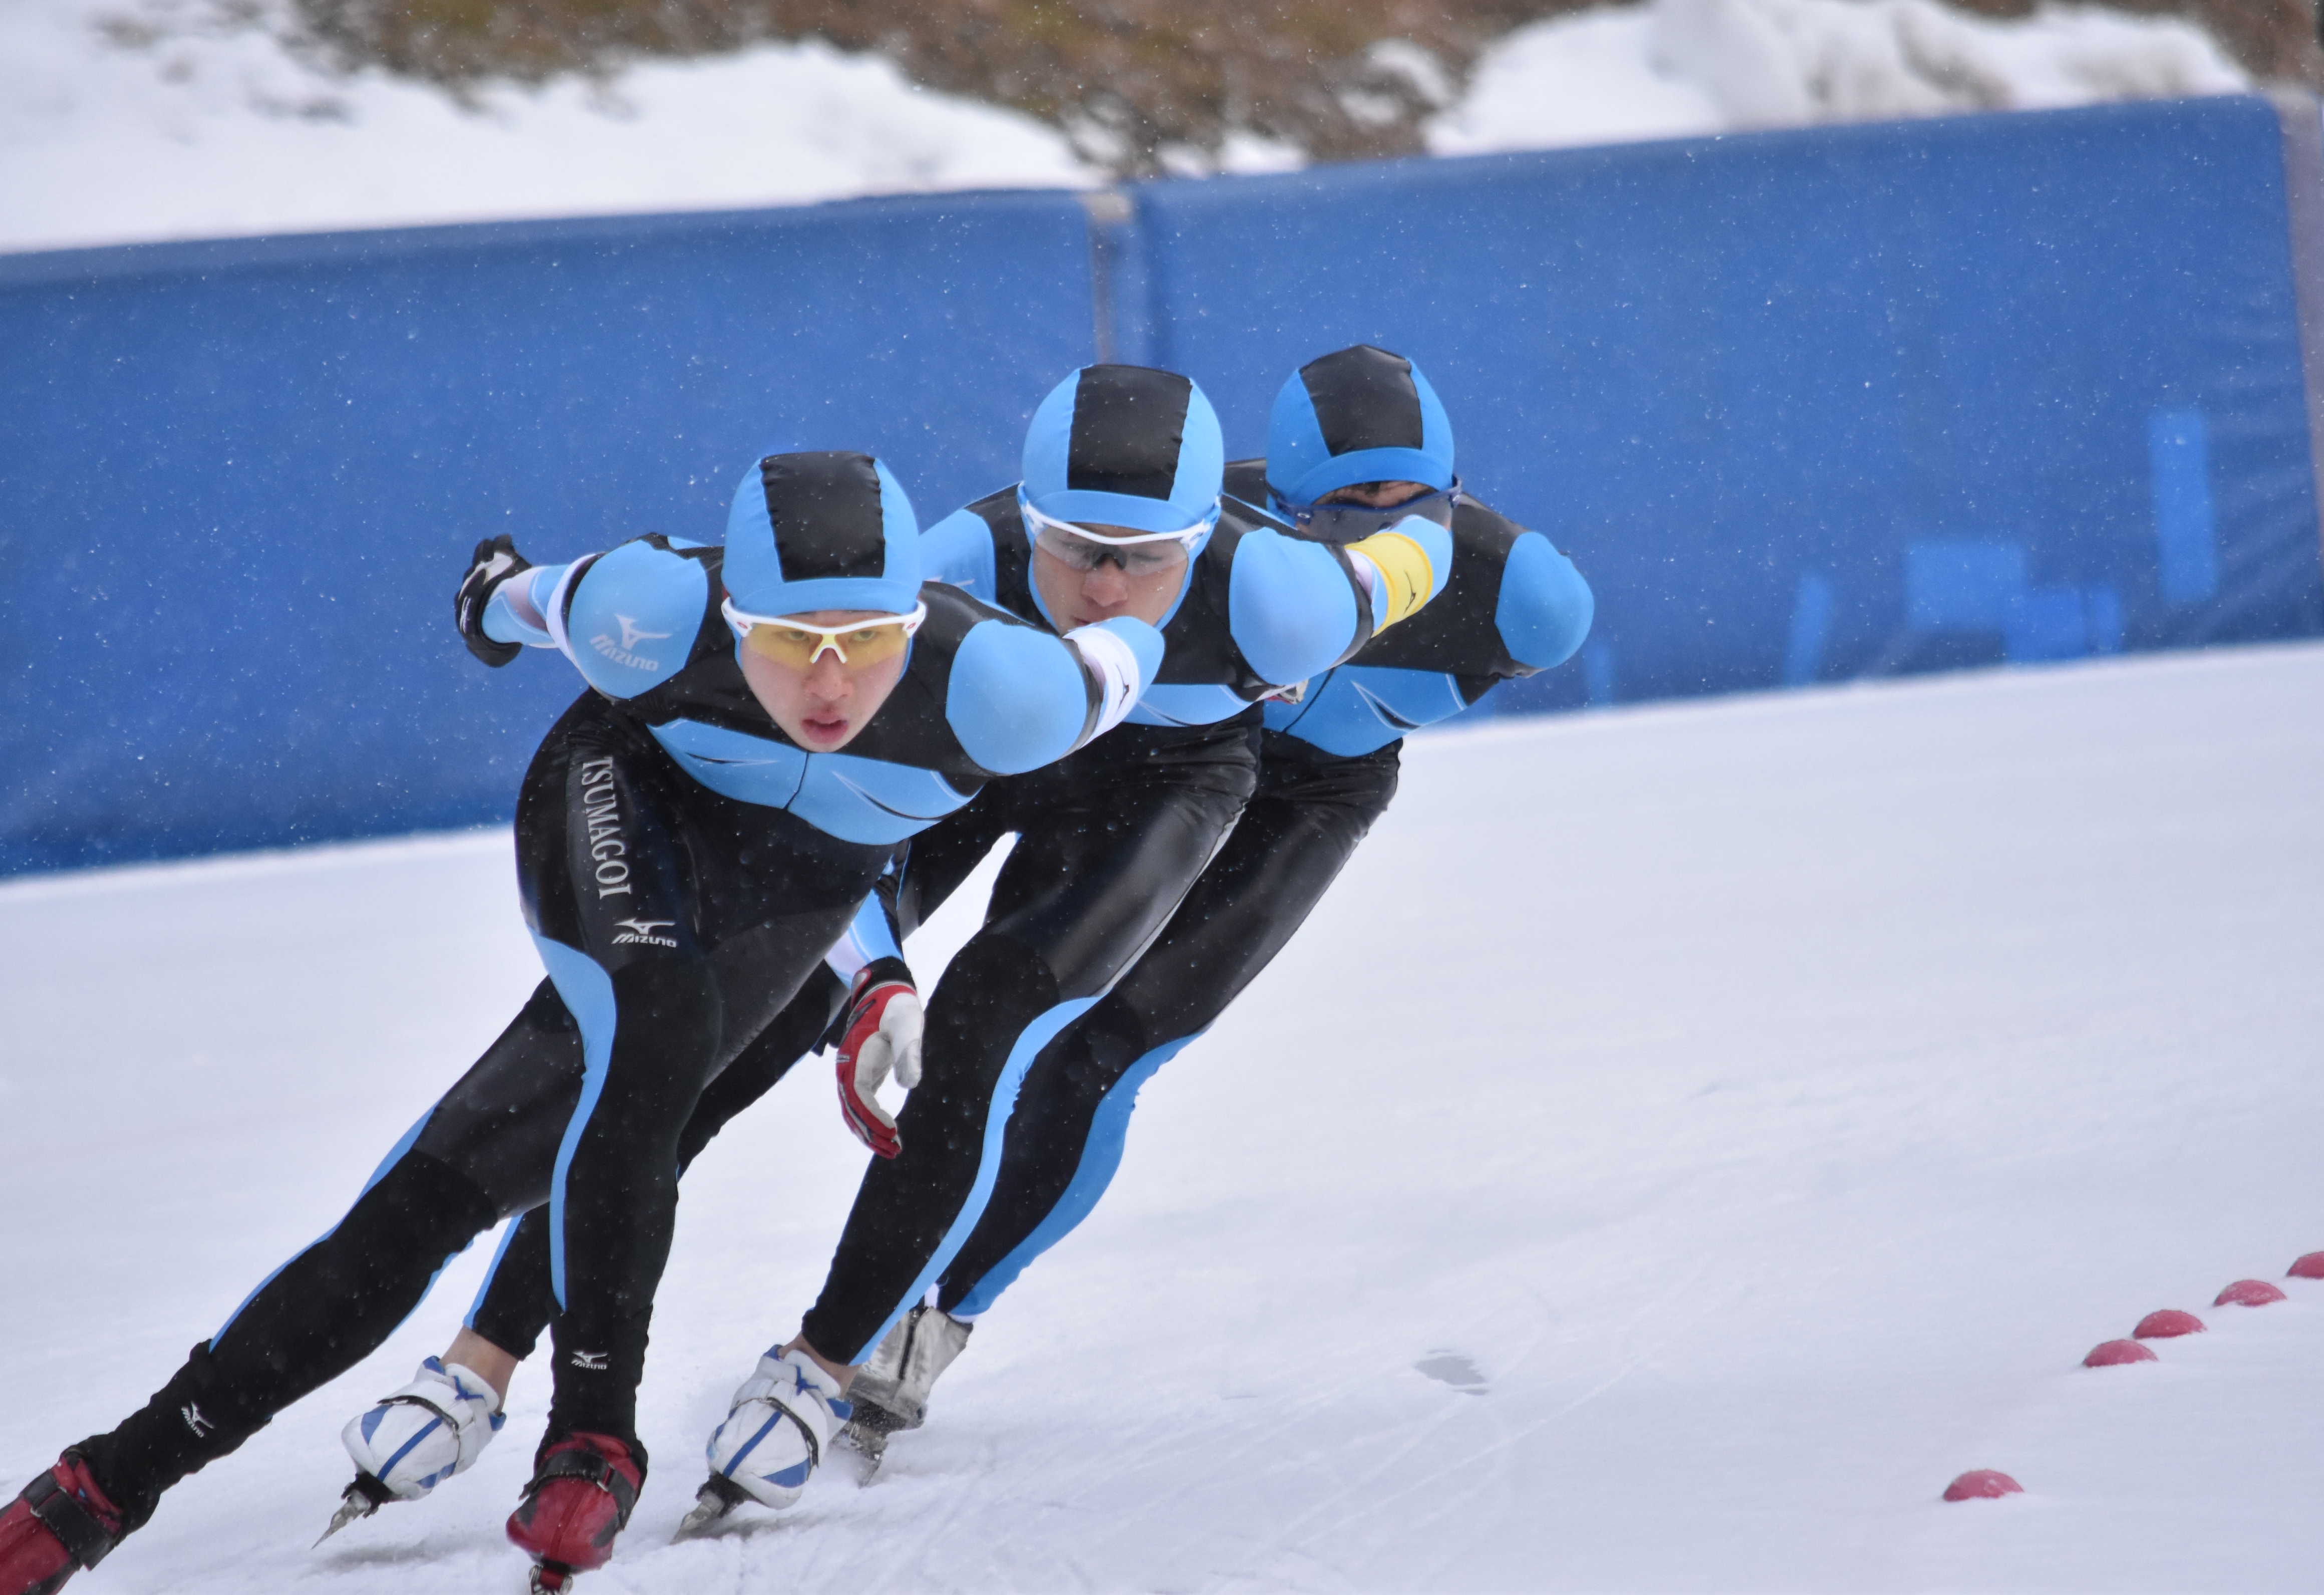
(1108, 840)
(684, 867)
(1513, 605)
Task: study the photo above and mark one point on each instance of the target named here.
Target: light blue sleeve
(503, 623)
(1546, 607)
(1020, 698)
(958, 551)
(632, 618)
(1291, 606)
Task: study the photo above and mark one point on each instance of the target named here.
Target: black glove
(493, 562)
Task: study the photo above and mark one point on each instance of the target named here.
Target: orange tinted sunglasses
(859, 645)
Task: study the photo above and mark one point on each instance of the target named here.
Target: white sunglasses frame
(1036, 522)
(742, 620)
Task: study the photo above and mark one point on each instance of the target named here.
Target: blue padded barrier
(1805, 406)
(1813, 405)
(239, 481)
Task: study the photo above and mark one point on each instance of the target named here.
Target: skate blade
(870, 1447)
(712, 1506)
(354, 1504)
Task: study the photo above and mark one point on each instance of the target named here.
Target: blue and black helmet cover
(821, 531)
(1358, 414)
(1125, 446)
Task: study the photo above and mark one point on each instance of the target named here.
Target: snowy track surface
(1688, 1137)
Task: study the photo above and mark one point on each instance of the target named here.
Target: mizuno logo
(631, 636)
(641, 932)
(621, 655)
(200, 1425)
(590, 1361)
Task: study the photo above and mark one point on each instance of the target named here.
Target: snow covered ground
(1688, 1137)
(224, 132)
(1670, 68)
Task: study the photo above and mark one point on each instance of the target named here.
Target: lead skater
(691, 840)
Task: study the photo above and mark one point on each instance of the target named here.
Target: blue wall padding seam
(2186, 523)
(1812, 607)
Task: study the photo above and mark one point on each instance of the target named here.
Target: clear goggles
(787, 640)
(1137, 553)
(1345, 523)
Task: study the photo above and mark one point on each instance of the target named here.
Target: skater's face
(1082, 581)
(821, 706)
(1377, 496)
(1351, 513)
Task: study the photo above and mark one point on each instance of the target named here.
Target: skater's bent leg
(517, 1299)
(614, 1201)
(1063, 1147)
(318, 1315)
(991, 995)
(487, 1146)
(1065, 1143)
(1083, 892)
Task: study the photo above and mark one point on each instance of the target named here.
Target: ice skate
(784, 1417)
(411, 1441)
(890, 1394)
(60, 1524)
(583, 1491)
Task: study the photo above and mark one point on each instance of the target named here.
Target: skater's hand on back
(494, 561)
(879, 1035)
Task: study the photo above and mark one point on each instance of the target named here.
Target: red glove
(879, 1033)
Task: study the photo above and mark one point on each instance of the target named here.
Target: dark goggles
(1346, 523)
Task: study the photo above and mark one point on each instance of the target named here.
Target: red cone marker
(2311, 1267)
(2167, 1324)
(2115, 1353)
(1982, 1484)
(2247, 1293)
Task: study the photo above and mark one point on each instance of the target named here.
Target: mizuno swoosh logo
(632, 634)
(1388, 715)
(707, 759)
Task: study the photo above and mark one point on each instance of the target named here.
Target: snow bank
(228, 133)
(232, 134)
(1686, 1137)
(1672, 68)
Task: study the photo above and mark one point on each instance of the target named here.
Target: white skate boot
(891, 1391)
(413, 1441)
(784, 1417)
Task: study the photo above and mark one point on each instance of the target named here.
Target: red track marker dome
(1982, 1484)
(2247, 1293)
(2114, 1353)
(2167, 1324)
(2311, 1267)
